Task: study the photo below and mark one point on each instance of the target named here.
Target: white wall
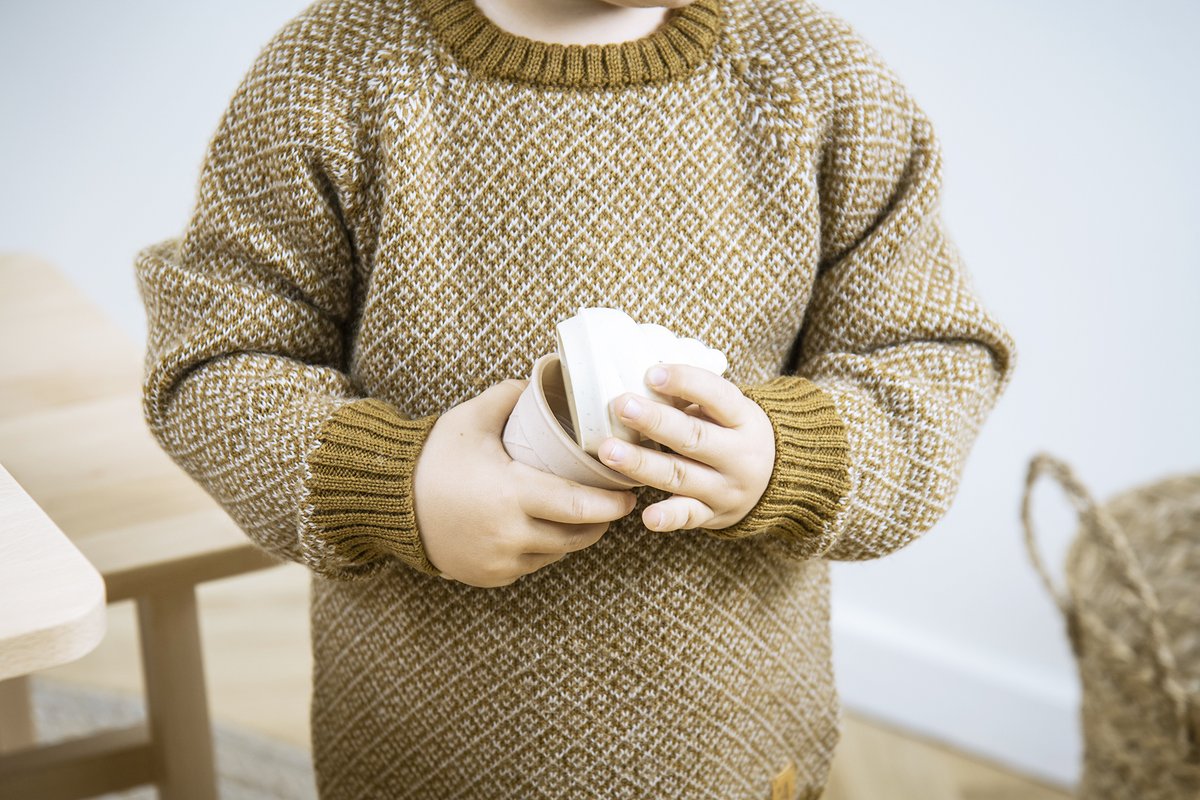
(1071, 188)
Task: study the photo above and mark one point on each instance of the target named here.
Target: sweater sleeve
(897, 362)
(248, 313)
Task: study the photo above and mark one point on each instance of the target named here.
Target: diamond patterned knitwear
(398, 205)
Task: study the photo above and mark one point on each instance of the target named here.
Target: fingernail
(616, 452)
(632, 408)
(657, 376)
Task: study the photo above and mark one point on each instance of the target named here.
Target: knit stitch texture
(398, 205)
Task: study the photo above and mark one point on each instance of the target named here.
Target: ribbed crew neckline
(685, 39)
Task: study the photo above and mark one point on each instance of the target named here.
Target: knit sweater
(397, 207)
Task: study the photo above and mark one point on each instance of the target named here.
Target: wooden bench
(73, 436)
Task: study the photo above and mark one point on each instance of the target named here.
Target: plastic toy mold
(565, 413)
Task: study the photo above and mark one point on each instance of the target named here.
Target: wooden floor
(259, 667)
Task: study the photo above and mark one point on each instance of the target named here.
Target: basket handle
(1115, 544)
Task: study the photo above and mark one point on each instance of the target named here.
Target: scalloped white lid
(605, 353)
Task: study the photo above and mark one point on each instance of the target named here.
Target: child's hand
(723, 443)
(487, 520)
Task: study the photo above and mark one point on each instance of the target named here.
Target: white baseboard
(998, 711)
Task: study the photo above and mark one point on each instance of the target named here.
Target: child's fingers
(681, 403)
(686, 406)
(547, 496)
(677, 512)
(693, 409)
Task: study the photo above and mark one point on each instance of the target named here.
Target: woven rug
(251, 766)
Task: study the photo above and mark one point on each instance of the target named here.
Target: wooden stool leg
(176, 701)
(16, 714)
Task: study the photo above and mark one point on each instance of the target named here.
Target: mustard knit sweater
(400, 202)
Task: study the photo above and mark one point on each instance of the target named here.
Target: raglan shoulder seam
(822, 54)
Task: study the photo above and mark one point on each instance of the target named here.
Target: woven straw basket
(1133, 617)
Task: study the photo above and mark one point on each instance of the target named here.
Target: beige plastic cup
(564, 414)
(537, 432)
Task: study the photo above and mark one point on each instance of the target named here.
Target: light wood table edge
(76, 627)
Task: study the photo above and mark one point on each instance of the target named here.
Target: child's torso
(648, 664)
(503, 208)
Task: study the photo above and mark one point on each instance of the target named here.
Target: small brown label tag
(783, 785)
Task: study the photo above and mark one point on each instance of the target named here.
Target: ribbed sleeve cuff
(810, 479)
(360, 483)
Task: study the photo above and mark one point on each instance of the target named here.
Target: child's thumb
(498, 401)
